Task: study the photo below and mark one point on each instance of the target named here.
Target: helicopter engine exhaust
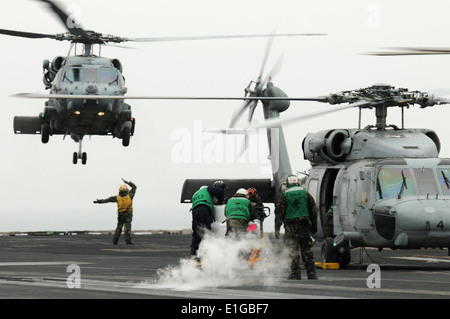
(336, 146)
(116, 63)
(332, 146)
(50, 69)
(57, 63)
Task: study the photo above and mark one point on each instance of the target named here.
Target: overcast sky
(41, 188)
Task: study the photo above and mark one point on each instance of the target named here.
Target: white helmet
(241, 191)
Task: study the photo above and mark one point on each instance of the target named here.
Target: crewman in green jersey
(297, 210)
(239, 211)
(203, 202)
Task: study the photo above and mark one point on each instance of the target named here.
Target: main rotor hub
(91, 37)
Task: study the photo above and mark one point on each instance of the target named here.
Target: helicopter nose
(422, 222)
(91, 89)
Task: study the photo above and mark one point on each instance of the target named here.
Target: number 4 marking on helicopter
(440, 225)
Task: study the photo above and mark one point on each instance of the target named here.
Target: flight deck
(89, 266)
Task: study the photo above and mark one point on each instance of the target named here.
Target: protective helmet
(241, 191)
(292, 180)
(219, 184)
(123, 188)
(251, 191)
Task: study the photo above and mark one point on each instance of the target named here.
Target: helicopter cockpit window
(72, 75)
(394, 182)
(426, 181)
(443, 175)
(109, 76)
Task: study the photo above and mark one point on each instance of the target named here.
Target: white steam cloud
(224, 263)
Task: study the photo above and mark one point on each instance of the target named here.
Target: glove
(97, 201)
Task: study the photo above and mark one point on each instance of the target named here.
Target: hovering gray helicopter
(87, 91)
(386, 184)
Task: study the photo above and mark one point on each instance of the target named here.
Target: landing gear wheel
(332, 254)
(80, 155)
(126, 133)
(329, 253)
(344, 256)
(45, 132)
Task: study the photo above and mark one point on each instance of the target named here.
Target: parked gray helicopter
(87, 91)
(386, 184)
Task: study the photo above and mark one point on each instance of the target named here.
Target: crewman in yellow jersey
(124, 202)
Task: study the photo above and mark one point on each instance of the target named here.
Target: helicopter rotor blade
(72, 26)
(259, 84)
(143, 97)
(412, 51)
(128, 97)
(278, 121)
(274, 71)
(266, 55)
(238, 113)
(213, 37)
(31, 35)
(442, 100)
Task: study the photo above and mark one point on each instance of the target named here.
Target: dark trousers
(201, 221)
(123, 219)
(298, 242)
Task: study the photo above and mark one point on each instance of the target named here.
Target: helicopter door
(313, 189)
(326, 200)
(321, 188)
(363, 199)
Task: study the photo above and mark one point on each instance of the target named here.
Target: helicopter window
(426, 181)
(444, 179)
(394, 182)
(108, 75)
(72, 75)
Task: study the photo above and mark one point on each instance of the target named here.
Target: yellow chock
(327, 265)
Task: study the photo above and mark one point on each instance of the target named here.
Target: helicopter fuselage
(373, 207)
(385, 189)
(82, 76)
(87, 76)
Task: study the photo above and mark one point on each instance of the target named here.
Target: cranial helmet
(292, 180)
(219, 184)
(241, 191)
(251, 191)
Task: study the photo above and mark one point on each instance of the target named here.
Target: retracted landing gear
(80, 155)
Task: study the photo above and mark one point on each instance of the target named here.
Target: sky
(43, 190)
